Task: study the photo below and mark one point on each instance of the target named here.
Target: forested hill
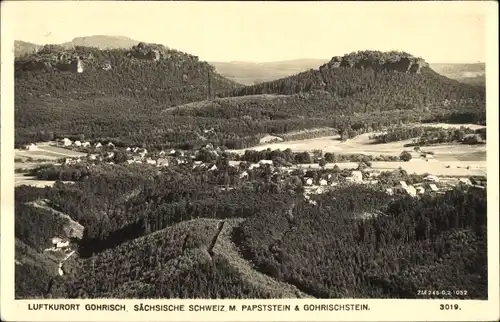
(374, 80)
(126, 96)
(151, 72)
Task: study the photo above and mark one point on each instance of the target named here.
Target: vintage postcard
(249, 161)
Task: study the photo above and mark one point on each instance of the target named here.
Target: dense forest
(125, 99)
(328, 252)
(143, 226)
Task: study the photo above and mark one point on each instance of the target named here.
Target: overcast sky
(446, 32)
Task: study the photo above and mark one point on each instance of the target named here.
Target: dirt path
(225, 247)
(60, 269)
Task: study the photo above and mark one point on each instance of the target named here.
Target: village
(315, 179)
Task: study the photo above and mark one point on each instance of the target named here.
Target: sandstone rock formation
(392, 61)
(147, 51)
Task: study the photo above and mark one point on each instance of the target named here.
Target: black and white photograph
(266, 150)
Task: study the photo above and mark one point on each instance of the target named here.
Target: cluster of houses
(312, 185)
(67, 142)
(430, 184)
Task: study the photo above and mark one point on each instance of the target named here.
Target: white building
(31, 147)
(433, 187)
(66, 142)
(411, 190)
(213, 168)
(403, 184)
(357, 176)
(262, 162)
(151, 161)
(389, 191)
(420, 190)
(244, 174)
(162, 162)
(323, 182)
(309, 181)
(86, 144)
(431, 178)
(98, 145)
(128, 149)
(59, 242)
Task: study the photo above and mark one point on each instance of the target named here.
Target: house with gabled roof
(410, 190)
(31, 147)
(66, 142)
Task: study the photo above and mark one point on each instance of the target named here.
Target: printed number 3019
(449, 307)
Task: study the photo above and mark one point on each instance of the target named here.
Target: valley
(145, 172)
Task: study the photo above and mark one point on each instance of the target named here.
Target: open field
(449, 159)
(438, 168)
(454, 126)
(362, 144)
(46, 151)
(20, 180)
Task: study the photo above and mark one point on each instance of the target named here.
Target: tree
(120, 157)
(405, 156)
(329, 157)
(322, 163)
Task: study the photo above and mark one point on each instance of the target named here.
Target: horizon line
(237, 60)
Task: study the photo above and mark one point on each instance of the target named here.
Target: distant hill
(22, 48)
(102, 42)
(59, 85)
(466, 73)
(369, 74)
(250, 73)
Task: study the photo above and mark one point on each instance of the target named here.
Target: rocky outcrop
(391, 61)
(147, 51)
(61, 62)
